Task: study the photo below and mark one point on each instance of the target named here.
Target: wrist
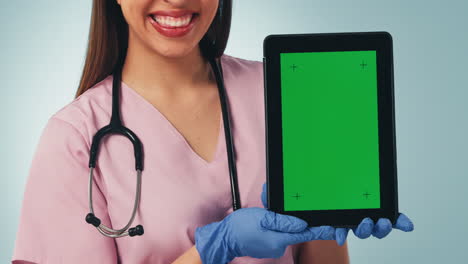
(210, 242)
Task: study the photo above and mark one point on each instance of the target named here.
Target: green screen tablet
(339, 137)
(330, 132)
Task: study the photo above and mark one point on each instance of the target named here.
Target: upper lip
(173, 13)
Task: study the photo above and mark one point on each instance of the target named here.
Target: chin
(179, 51)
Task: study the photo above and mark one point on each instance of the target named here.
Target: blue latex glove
(379, 230)
(366, 227)
(255, 232)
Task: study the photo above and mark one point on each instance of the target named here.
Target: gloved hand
(379, 230)
(367, 227)
(255, 232)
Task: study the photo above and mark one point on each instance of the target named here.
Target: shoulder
(239, 66)
(88, 110)
(244, 76)
(245, 88)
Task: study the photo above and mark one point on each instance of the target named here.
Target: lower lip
(173, 32)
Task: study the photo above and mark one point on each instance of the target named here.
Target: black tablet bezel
(381, 42)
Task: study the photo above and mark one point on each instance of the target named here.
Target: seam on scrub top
(98, 170)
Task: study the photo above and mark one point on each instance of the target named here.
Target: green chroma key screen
(330, 130)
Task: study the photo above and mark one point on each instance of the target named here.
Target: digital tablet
(330, 127)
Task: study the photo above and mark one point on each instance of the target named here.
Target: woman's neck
(151, 73)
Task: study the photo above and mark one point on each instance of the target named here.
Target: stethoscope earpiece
(136, 231)
(93, 220)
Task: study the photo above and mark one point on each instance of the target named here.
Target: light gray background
(42, 50)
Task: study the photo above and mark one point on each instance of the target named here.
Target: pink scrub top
(180, 190)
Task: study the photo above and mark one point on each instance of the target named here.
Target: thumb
(311, 233)
(282, 223)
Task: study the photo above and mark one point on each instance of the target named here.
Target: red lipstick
(168, 22)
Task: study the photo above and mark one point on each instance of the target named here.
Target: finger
(311, 233)
(341, 234)
(264, 198)
(364, 229)
(403, 223)
(382, 228)
(282, 223)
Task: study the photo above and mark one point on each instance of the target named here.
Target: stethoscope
(115, 127)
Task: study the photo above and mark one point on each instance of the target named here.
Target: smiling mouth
(173, 22)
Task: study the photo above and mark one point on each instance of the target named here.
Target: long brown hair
(108, 40)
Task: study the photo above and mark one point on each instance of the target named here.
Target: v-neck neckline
(220, 142)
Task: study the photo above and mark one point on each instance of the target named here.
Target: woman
(169, 98)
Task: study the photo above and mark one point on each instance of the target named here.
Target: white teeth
(172, 21)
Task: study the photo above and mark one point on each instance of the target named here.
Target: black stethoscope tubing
(116, 127)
